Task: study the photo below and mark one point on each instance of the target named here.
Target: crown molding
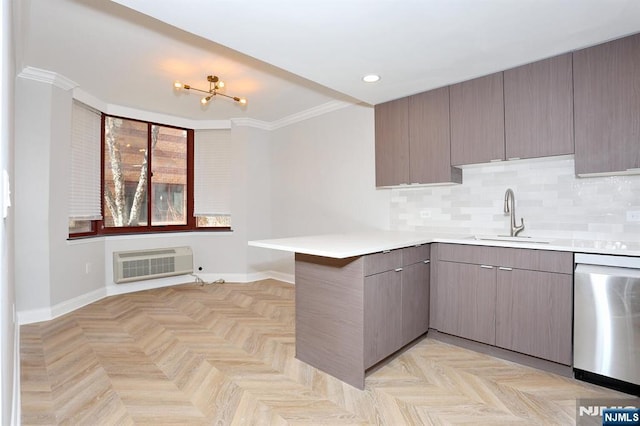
(251, 122)
(50, 77)
(172, 120)
(64, 83)
(293, 118)
(309, 113)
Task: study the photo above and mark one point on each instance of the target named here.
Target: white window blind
(84, 203)
(212, 174)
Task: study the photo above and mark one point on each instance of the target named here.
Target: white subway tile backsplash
(552, 200)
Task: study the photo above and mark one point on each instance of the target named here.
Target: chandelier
(215, 84)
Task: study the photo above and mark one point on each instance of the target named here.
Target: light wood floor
(224, 355)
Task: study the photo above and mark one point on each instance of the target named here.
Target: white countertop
(345, 245)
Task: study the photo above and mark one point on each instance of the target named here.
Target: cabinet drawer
(382, 262)
(415, 254)
(535, 260)
(478, 255)
(508, 257)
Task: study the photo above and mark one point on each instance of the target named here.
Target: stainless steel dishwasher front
(606, 325)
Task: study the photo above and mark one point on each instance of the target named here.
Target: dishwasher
(606, 321)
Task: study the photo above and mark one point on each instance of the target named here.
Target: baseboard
(247, 278)
(46, 314)
(113, 289)
(16, 413)
(77, 302)
(281, 276)
(33, 315)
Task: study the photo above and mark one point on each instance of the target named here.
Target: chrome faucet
(510, 208)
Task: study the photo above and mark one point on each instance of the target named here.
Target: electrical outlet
(425, 213)
(633, 216)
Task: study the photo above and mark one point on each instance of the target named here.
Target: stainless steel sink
(519, 239)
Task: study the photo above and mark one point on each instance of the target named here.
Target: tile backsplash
(552, 200)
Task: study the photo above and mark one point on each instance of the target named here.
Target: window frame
(98, 227)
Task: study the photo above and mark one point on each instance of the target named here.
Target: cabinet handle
(427, 261)
(495, 160)
(398, 269)
(634, 169)
(502, 268)
(513, 158)
(486, 266)
(386, 251)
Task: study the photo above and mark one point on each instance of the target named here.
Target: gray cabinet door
(538, 108)
(430, 138)
(607, 106)
(467, 295)
(382, 316)
(415, 301)
(477, 120)
(392, 142)
(533, 314)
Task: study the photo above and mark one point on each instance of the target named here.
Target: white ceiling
(289, 56)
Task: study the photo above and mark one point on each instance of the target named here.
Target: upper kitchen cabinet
(430, 139)
(413, 140)
(607, 107)
(477, 120)
(538, 108)
(392, 142)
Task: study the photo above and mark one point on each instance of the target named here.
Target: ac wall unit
(136, 265)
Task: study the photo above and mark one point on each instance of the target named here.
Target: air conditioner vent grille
(145, 264)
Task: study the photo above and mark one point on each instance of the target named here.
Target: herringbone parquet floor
(224, 355)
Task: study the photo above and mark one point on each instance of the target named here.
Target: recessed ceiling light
(371, 78)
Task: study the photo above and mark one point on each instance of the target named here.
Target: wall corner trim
(50, 77)
(16, 409)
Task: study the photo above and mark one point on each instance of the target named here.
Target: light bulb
(205, 100)
(220, 84)
(243, 101)
(177, 84)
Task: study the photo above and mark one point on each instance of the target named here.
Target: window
(148, 178)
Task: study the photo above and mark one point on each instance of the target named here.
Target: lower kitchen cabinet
(517, 299)
(467, 295)
(533, 313)
(382, 316)
(396, 301)
(415, 300)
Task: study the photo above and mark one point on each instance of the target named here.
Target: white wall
(553, 202)
(323, 178)
(8, 343)
(257, 201)
(32, 175)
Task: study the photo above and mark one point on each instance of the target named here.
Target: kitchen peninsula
(360, 297)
